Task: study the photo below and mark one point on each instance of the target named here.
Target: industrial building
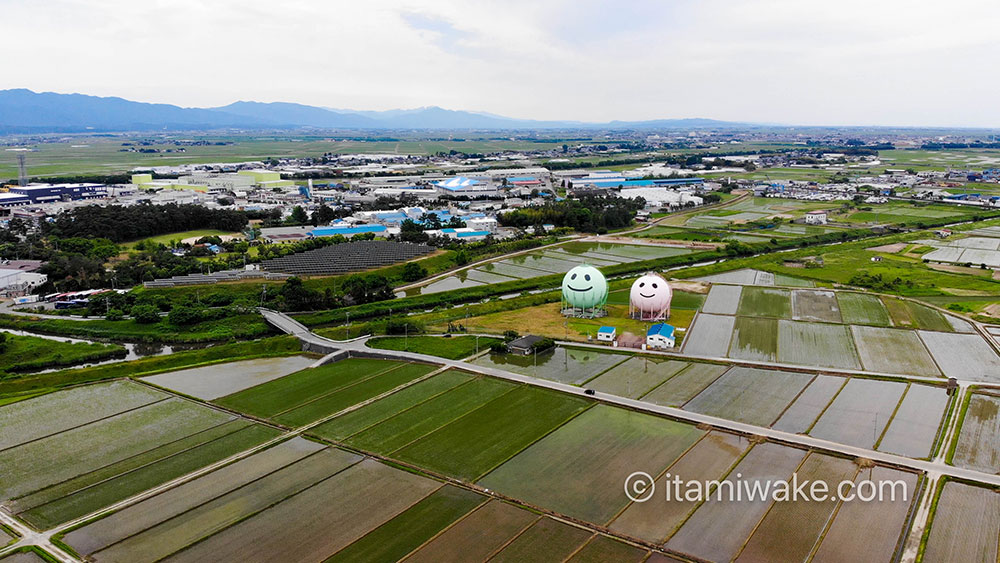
(213, 183)
(19, 282)
(46, 193)
(469, 187)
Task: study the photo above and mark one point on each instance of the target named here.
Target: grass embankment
(453, 348)
(238, 327)
(264, 348)
(27, 353)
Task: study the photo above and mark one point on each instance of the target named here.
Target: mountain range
(25, 111)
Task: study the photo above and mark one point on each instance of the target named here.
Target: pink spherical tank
(650, 297)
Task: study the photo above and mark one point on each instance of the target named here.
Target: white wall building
(817, 217)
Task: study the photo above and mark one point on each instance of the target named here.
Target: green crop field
(62, 467)
(858, 308)
(578, 469)
(100, 155)
(355, 421)
(336, 401)
(453, 348)
(423, 418)
(301, 388)
(412, 528)
(477, 442)
(765, 302)
(754, 339)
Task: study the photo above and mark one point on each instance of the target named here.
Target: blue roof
(457, 183)
(521, 179)
(473, 234)
(662, 329)
(606, 329)
(330, 231)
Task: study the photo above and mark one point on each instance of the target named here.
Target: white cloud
(848, 62)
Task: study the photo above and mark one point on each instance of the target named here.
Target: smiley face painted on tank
(650, 293)
(584, 286)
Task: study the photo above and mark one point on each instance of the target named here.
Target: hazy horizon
(852, 63)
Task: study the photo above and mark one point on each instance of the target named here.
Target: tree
(410, 231)
(184, 315)
(430, 220)
(298, 216)
(115, 315)
(3, 342)
(298, 297)
(413, 271)
(323, 215)
(145, 313)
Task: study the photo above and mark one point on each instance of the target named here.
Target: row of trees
(121, 224)
(592, 214)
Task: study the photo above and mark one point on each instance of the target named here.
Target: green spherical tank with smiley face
(584, 287)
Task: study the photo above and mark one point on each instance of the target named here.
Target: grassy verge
(453, 348)
(27, 353)
(958, 426)
(219, 330)
(264, 348)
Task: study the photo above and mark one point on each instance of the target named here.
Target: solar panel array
(346, 257)
(217, 277)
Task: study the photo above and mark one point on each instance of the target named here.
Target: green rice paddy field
(448, 423)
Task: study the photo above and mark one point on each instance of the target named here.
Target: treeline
(976, 145)
(122, 224)
(591, 214)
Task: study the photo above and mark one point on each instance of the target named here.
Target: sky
(844, 62)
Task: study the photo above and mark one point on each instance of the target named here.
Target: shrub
(403, 326)
(146, 313)
(184, 315)
(413, 272)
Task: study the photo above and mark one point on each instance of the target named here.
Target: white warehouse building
(662, 197)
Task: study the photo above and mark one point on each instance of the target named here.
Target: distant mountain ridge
(25, 111)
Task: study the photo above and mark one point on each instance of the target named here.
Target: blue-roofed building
(660, 335)
(464, 234)
(607, 333)
(348, 231)
(460, 185)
